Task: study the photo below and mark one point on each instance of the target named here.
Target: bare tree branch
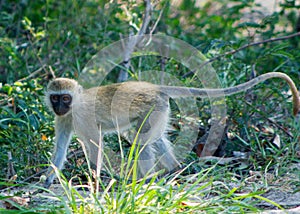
(147, 18)
(249, 45)
(254, 44)
(244, 47)
(158, 19)
(133, 41)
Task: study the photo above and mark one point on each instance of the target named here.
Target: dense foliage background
(38, 38)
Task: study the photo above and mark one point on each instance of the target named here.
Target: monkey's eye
(54, 98)
(66, 98)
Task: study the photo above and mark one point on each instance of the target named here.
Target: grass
(194, 193)
(212, 190)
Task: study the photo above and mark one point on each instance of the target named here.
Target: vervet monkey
(116, 107)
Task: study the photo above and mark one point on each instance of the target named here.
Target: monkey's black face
(61, 103)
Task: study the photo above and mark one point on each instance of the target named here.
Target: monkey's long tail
(174, 91)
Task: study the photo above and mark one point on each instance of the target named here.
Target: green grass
(200, 192)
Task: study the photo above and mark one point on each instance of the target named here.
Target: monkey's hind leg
(148, 132)
(146, 160)
(165, 154)
(155, 148)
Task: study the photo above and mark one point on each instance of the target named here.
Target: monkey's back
(124, 103)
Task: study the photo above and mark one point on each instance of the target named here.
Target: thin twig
(32, 74)
(265, 116)
(52, 72)
(37, 56)
(158, 19)
(23, 181)
(249, 45)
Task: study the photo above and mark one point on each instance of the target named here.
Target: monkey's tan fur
(120, 106)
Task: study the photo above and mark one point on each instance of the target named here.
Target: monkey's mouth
(60, 111)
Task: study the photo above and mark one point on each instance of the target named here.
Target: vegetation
(42, 38)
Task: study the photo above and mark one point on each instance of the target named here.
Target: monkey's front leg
(63, 134)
